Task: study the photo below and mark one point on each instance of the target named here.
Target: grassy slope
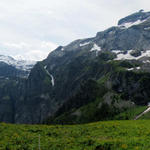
(108, 135)
(130, 113)
(146, 116)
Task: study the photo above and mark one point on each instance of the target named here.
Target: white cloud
(30, 26)
(34, 51)
(32, 55)
(16, 46)
(48, 45)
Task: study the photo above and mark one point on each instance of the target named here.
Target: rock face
(58, 78)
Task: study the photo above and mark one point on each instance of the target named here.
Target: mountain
(9, 67)
(87, 80)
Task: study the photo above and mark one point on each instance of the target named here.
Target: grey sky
(30, 29)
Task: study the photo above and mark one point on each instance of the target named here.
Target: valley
(74, 75)
(114, 135)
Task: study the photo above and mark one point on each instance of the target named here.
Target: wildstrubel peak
(77, 82)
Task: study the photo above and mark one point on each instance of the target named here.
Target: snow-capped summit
(134, 19)
(18, 64)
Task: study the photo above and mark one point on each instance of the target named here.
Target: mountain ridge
(72, 78)
(19, 64)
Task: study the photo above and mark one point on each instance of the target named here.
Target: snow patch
(138, 68)
(130, 24)
(96, 48)
(129, 69)
(146, 61)
(122, 56)
(128, 56)
(62, 49)
(116, 51)
(84, 44)
(147, 28)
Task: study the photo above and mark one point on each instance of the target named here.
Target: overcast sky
(30, 29)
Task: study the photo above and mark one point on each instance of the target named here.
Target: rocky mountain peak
(18, 64)
(137, 17)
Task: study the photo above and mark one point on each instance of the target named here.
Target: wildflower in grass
(124, 146)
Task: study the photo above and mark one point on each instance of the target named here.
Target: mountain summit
(9, 67)
(135, 18)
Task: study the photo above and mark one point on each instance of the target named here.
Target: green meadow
(105, 135)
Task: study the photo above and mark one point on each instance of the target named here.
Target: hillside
(98, 58)
(77, 82)
(108, 135)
